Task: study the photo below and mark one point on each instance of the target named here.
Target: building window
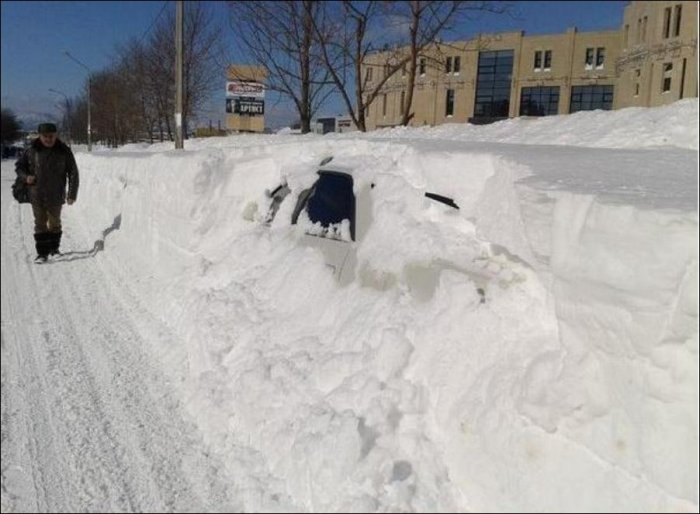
(667, 22)
(450, 102)
(636, 89)
(539, 101)
(548, 60)
(448, 65)
(403, 99)
(493, 83)
(368, 76)
(589, 57)
(644, 28)
(421, 66)
(682, 81)
(666, 82)
(627, 34)
(403, 70)
(457, 64)
(386, 70)
(677, 24)
(538, 60)
(600, 57)
(383, 105)
(589, 98)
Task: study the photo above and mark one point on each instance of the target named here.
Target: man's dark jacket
(51, 167)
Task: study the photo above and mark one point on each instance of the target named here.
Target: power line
(165, 4)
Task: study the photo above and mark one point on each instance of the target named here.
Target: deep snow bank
(574, 386)
(633, 127)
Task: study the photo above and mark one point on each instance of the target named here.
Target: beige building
(658, 61)
(245, 98)
(510, 74)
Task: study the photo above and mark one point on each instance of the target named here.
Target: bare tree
(77, 119)
(203, 48)
(349, 36)
(67, 108)
(159, 81)
(133, 69)
(429, 19)
(107, 96)
(279, 36)
(134, 97)
(341, 49)
(201, 61)
(150, 68)
(10, 126)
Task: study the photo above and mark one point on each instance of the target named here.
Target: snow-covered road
(88, 422)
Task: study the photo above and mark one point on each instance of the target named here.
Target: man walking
(46, 166)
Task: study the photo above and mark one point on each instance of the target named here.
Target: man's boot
(55, 243)
(44, 243)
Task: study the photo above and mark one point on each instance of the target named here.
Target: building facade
(497, 76)
(658, 61)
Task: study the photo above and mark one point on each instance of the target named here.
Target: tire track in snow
(88, 422)
(30, 455)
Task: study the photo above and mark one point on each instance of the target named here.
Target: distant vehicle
(12, 152)
(336, 219)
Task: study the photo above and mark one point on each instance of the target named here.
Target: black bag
(20, 190)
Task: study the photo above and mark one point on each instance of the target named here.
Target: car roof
(335, 165)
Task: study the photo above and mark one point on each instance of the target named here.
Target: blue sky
(35, 34)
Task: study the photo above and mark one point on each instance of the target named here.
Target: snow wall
(574, 386)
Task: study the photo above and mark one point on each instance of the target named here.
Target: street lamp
(89, 130)
(67, 110)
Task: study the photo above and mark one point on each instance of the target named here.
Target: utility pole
(178, 75)
(89, 127)
(89, 130)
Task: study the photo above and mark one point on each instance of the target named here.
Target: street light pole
(89, 130)
(178, 75)
(67, 112)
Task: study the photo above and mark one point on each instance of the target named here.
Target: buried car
(335, 215)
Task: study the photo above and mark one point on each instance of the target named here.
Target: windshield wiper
(442, 199)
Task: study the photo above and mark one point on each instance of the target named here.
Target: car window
(330, 201)
(301, 203)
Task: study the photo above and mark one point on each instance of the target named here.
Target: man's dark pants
(47, 228)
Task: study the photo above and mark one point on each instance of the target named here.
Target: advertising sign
(245, 106)
(248, 106)
(241, 88)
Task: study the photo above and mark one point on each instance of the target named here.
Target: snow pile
(633, 127)
(563, 377)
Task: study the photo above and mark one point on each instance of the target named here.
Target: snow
(558, 373)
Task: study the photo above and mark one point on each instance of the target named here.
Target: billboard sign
(242, 88)
(245, 106)
(249, 106)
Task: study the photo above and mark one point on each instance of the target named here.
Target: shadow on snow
(98, 246)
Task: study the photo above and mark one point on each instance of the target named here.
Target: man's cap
(47, 128)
